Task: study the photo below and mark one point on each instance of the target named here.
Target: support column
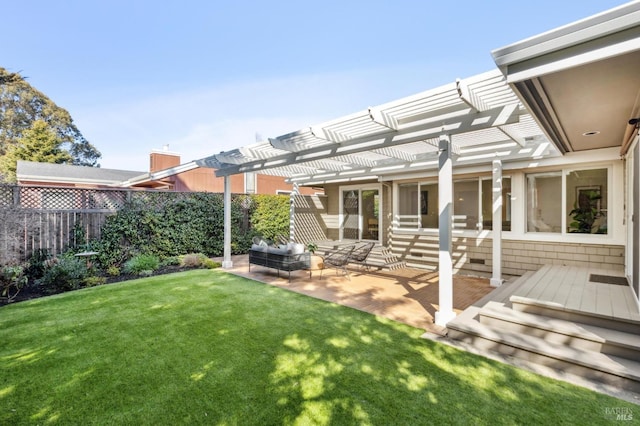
(226, 262)
(292, 212)
(496, 277)
(445, 215)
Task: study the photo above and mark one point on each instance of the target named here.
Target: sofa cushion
(275, 250)
(295, 248)
(258, 247)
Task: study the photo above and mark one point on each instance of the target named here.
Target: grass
(206, 347)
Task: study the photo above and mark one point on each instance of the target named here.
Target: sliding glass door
(360, 213)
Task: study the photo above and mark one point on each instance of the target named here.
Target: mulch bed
(32, 291)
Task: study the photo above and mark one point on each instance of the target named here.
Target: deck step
(563, 332)
(609, 369)
(502, 293)
(559, 311)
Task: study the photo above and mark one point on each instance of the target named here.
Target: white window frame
(360, 188)
(564, 172)
(465, 232)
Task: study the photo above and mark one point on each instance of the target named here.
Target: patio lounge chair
(360, 254)
(339, 259)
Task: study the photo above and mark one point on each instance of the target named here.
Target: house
(165, 172)
(533, 163)
(67, 175)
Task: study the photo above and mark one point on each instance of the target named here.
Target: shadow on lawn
(348, 378)
(234, 351)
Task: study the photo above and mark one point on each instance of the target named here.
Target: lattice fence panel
(107, 200)
(6, 195)
(50, 198)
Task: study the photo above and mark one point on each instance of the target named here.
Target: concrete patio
(406, 295)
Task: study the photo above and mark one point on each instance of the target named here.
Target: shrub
(192, 260)
(211, 264)
(198, 260)
(271, 216)
(12, 279)
(113, 271)
(63, 274)
(94, 281)
(169, 224)
(38, 263)
(170, 261)
(142, 262)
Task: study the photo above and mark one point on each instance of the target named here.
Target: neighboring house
(165, 172)
(50, 174)
(534, 163)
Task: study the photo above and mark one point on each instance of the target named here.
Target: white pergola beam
(519, 140)
(467, 97)
(383, 119)
(468, 123)
(327, 134)
(467, 157)
(395, 153)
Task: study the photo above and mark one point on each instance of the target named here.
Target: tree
(39, 143)
(21, 105)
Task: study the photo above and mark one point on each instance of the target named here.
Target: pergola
(478, 121)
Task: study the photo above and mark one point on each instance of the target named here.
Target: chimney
(163, 159)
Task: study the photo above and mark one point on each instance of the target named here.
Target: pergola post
(496, 278)
(226, 262)
(292, 211)
(445, 213)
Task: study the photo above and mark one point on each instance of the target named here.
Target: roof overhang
(482, 115)
(581, 81)
(29, 178)
(146, 178)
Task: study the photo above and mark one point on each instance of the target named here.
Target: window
(583, 204)
(418, 205)
(408, 205)
(586, 201)
(487, 204)
(465, 204)
(544, 202)
(429, 205)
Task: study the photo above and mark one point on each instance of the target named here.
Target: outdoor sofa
(285, 257)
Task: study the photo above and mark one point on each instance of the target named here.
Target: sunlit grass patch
(207, 347)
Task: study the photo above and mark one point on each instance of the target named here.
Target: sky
(213, 75)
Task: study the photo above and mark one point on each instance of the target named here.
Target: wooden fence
(56, 218)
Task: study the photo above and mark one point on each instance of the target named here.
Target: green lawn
(208, 347)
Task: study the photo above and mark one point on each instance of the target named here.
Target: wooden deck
(576, 324)
(406, 295)
(576, 289)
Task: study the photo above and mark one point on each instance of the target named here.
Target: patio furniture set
(293, 257)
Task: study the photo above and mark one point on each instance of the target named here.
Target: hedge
(169, 226)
